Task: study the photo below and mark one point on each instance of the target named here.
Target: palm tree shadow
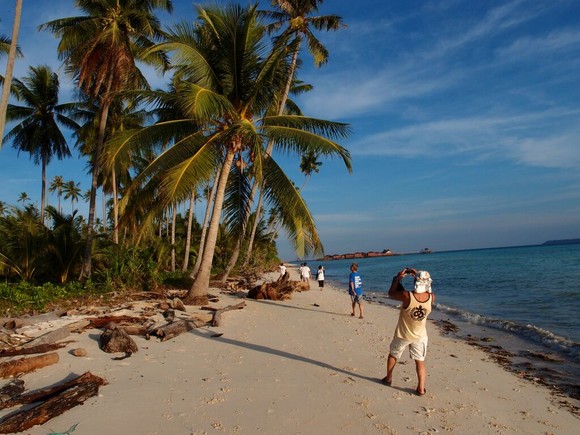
(280, 353)
(280, 305)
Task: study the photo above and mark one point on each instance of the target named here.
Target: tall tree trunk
(10, 68)
(87, 263)
(242, 236)
(270, 148)
(254, 229)
(189, 227)
(43, 193)
(210, 202)
(173, 224)
(115, 208)
(198, 292)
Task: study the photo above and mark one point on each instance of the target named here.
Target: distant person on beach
(411, 330)
(282, 270)
(320, 277)
(355, 289)
(305, 273)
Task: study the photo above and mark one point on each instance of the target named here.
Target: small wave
(530, 332)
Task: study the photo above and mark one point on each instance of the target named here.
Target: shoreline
(302, 365)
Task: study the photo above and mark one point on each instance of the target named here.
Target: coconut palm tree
(100, 49)
(72, 191)
(41, 117)
(227, 87)
(23, 198)
(12, 53)
(296, 16)
(57, 185)
(308, 164)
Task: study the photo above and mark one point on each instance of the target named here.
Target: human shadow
(277, 352)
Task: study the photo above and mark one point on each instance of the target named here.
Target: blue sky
(465, 118)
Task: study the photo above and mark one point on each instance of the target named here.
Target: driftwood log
(279, 290)
(55, 401)
(25, 365)
(217, 314)
(173, 329)
(30, 350)
(101, 322)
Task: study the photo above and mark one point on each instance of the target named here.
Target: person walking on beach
(355, 289)
(320, 277)
(305, 273)
(282, 270)
(411, 330)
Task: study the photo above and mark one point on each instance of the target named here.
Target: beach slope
(301, 366)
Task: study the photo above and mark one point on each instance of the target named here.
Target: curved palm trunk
(173, 224)
(238, 248)
(254, 229)
(210, 201)
(115, 208)
(10, 68)
(270, 148)
(188, 237)
(87, 263)
(198, 292)
(43, 193)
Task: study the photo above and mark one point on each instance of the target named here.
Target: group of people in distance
(411, 329)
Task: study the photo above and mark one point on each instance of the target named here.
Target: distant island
(370, 254)
(562, 242)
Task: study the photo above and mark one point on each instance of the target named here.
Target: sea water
(526, 298)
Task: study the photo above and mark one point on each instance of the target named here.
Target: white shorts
(417, 349)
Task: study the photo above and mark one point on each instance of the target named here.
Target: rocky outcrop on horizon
(355, 255)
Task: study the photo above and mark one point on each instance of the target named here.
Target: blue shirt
(356, 279)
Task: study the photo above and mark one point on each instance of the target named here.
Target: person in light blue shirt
(355, 289)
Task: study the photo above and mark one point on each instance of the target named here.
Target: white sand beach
(300, 366)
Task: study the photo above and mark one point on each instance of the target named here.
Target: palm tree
(100, 49)
(295, 14)
(2, 208)
(227, 87)
(23, 198)
(308, 164)
(72, 190)
(38, 132)
(57, 185)
(12, 53)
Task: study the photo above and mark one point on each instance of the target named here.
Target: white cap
(423, 282)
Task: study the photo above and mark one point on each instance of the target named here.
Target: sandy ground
(301, 366)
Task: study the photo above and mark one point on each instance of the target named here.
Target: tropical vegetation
(211, 138)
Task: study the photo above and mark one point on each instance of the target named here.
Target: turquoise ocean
(524, 301)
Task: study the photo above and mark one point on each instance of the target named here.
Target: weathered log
(30, 350)
(172, 330)
(60, 399)
(49, 338)
(177, 304)
(101, 322)
(277, 290)
(47, 393)
(12, 389)
(217, 315)
(115, 339)
(140, 330)
(19, 322)
(26, 365)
